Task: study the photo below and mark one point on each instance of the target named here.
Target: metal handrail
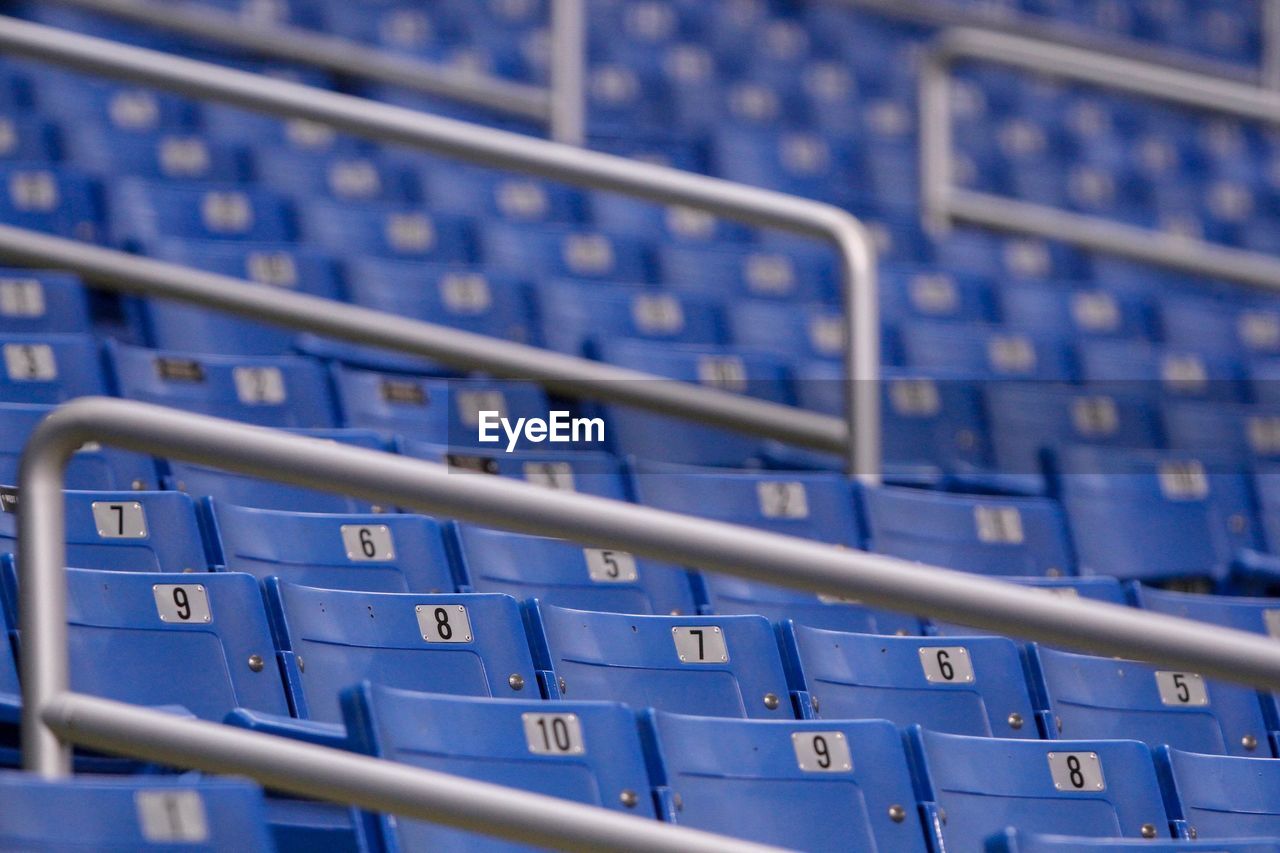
(560, 105)
(1027, 25)
(873, 579)
(944, 202)
(499, 149)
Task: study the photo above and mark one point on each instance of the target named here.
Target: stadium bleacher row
(1062, 420)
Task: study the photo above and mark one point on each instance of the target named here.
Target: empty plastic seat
(27, 139)
(811, 331)
(588, 472)
(988, 535)
(1012, 841)
(57, 200)
(72, 97)
(49, 368)
(284, 265)
(724, 666)
(577, 316)
(784, 783)
(730, 595)
(39, 302)
(1092, 697)
(157, 813)
(566, 574)
(162, 155)
(1094, 588)
(278, 391)
(1239, 328)
(1223, 797)
(564, 252)
(244, 490)
(965, 685)
(143, 211)
(471, 645)
(1041, 308)
(760, 272)
(1244, 432)
(911, 293)
(433, 410)
(986, 351)
(201, 643)
(1176, 372)
(587, 752)
(373, 553)
(90, 468)
(1025, 419)
(1152, 516)
(482, 193)
(391, 231)
(1256, 615)
(353, 179)
(1101, 789)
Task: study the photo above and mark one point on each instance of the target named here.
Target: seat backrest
(198, 641)
(472, 645)
(122, 531)
(729, 595)
(391, 231)
(1013, 841)
(1223, 796)
(1093, 697)
(142, 211)
(726, 666)
(587, 752)
(565, 252)
(90, 468)
(812, 785)
(577, 316)
(40, 302)
(964, 685)
(1256, 615)
(986, 351)
(56, 200)
(987, 535)
(276, 391)
(372, 553)
(1098, 789)
(158, 813)
(1177, 372)
(243, 490)
(1151, 515)
(588, 472)
(566, 574)
(49, 368)
(1092, 588)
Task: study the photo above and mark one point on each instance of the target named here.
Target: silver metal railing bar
(308, 770)
(1013, 22)
(568, 115)
(556, 106)
(945, 203)
(551, 160)
(877, 580)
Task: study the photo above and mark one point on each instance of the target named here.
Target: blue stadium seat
(577, 316)
(90, 468)
(122, 531)
(813, 785)
(564, 252)
(1012, 841)
(1184, 373)
(587, 752)
(1152, 516)
(1027, 418)
(471, 645)
(143, 211)
(974, 533)
(723, 666)
(1094, 588)
(391, 231)
(285, 265)
(964, 685)
(143, 813)
(1102, 789)
(1244, 613)
(49, 368)
(1223, 797)
(1092, 697)
(160, 155)
(71, 97)
(619, 214)
(202, 643)
(57, 200)
(432, 410)
(370, 553)
(805, 330)
(485, 194)
(1242, 328)
(345, 178)
(910, 293)
(757, 272)
(41, 302)
(27, 139)
(986, 351)
(243, 490)
(584, 471)
(1246, 433)
(278, 391)
(565, 574)
(1042, 309)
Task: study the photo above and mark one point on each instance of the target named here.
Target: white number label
(916, 398)
(410, 232)
(1076, 771)
(702, 644)
(465, 293)
(226, 212)
(1094, 416)
(182, 602)
(998, 524)
(30, 362)
(171, 816)
(822, 752)
(946, 664)
(34, 191)
(553, 734)
(125, 520)
(354, 179)
(1184, 373)
(772, 274)
(1181, 688)
(724, 372)
(368, 542)
(826, 334)
(782, 500)
(657, 313)
(588, 253)
(183, 157)
(1260, 331)
(522, 199)
(275, 268)
(553, 475)
(1264, 433)
(21, 297)
(605, 566)
(259, 386)
(1095, 312)
(1008, 354)
(444, 623)
(472, 403)
(1183, 481)
(134, 109)
(934, 294)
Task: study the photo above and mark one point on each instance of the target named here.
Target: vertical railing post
(935, 143)
(1270, 71)
(568, 71)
